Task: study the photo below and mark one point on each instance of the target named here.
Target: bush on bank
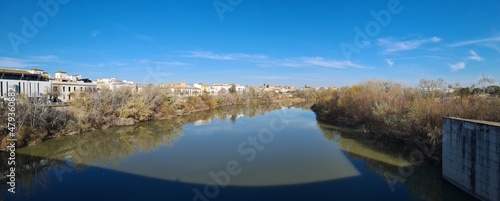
(122, 106)
(391, 111)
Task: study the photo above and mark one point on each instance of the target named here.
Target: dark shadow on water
(424, 180)
(54, 170)
(48, 179)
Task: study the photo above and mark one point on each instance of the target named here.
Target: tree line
(124, 106)
(390, 111)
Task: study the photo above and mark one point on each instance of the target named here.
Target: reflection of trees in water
(109, 145)
(30, 171)
(424, 181)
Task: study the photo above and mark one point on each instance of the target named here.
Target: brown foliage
(402, 113)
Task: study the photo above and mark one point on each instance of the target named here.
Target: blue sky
(294, 42)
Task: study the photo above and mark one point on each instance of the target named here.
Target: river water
(275, 152)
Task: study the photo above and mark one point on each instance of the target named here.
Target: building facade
(65, 91)
(113, 83)
(32, 84)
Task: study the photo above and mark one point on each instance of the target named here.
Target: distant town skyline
(319, 43)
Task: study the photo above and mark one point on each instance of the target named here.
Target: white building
(203, 87)
(181, 89)
(217, 88)
(113, 83)
(40, 72)
(33, 84)
(65, 91)
(61, 75)
(240, 88)
(64, 86)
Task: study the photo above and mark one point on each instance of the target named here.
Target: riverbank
(121, 107)
(390, 112)
(208, 139)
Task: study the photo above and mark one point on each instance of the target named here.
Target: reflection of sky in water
(286, 160)
(164, 160)
(298, 154)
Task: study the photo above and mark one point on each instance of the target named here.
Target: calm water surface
(235, 153)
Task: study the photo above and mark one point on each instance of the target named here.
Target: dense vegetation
(392, 112)
(123, 106)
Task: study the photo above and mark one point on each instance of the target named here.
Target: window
(64, 89)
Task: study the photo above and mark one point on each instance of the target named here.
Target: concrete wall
(471, 156)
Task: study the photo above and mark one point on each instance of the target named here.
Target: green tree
(232, 89)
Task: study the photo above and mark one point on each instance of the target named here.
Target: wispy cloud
(263, 60)
(322, 62)
(290, 77)
(390, 62)
(224, 57)
(144, 37)
(94, 33)
(483, 41)
(456, 67)
(394, 45)
(165, 63)
(13, 63)
(45, 58)
(313, 62)
(461, 65)
(474, 56)
(27, 61)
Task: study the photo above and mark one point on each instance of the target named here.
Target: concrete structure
(471, 156)
(33, 83)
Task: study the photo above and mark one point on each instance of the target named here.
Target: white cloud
(224, 57)
(483, 41)
(390, 62)
(94, 33)
(394, 45)
(46, 58)
(461, 65)
(474, 56)
(456, 67)
(289, 77)
(435, 39)
(166, 63)
(28, 61)
(314, 62)
(12, 62)
(263, 60)
(322, 62)
(144, 37)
